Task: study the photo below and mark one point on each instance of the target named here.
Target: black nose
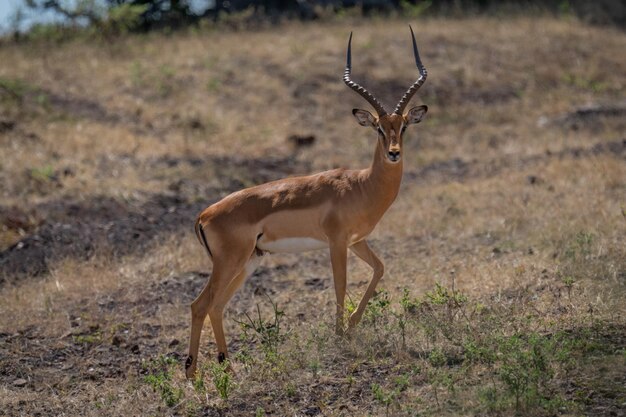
(394, 155)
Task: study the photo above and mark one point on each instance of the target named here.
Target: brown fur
(340, 207)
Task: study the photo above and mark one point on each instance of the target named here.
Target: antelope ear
(416, 114)
(365, 118)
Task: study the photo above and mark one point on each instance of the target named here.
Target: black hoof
(188, 362)
(221, 357)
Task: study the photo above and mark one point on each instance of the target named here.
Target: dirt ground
(514, 194)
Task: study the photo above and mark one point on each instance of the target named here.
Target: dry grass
(109, 149)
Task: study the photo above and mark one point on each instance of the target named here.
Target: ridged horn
(417, 84)
(356, 87)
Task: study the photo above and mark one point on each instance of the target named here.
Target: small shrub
(437, 358)
(160, 378)
(383, 397)
(409, 305)
(43, 174)
(94, 336)
(442, 295)
(491, 399)
(290, 389)
(526, 367)
(222, 378)
(377, 307)
(477, 352)
(198, 382)
(402, 382)
(267, 332)
(243, 356)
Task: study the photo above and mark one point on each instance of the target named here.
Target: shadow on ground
(65, 227)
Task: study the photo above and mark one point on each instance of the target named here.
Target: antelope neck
(383, 178)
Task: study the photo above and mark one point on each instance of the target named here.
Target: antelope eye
(403, 129)
(380, 130)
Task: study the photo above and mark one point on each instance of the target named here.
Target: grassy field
(505, 255)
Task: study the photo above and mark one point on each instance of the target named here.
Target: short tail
(201, 237)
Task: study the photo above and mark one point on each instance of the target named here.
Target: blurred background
(20, 16)
(504, 251)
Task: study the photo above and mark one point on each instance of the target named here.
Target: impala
(334, 209)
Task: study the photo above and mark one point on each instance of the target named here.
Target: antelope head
(390, 127)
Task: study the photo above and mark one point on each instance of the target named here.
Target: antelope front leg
(338, 259)
(363, 251)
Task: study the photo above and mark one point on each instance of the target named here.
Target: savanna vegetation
(505, 256)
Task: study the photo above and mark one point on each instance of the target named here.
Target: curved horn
(417, 84)
(360, 90)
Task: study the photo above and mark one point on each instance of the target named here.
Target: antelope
(336, 210)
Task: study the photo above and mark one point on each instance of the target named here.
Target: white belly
(291, 245)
